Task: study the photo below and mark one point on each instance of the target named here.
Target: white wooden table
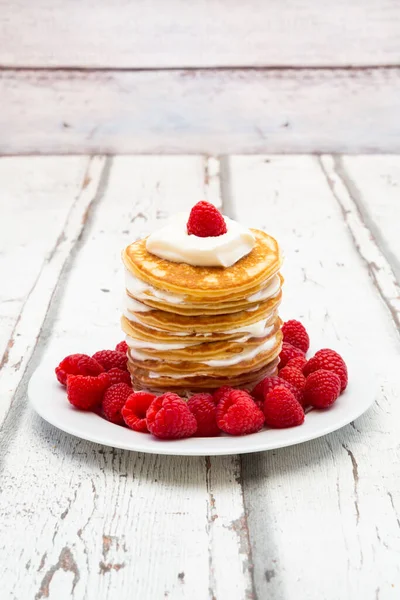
(319, 521)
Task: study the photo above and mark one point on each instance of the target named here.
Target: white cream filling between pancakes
(130, 304)
(254, 330)
(144, 291)
(223, 362)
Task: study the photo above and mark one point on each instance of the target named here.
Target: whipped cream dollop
(172, 242)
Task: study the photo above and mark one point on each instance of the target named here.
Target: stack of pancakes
(198, 328)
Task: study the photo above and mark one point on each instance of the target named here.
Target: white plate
(49, 400)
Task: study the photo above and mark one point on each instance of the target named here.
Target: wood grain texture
(80, 521)
(323, 516)
(28, 189)
(148, 34)
(380, 271)
(321, 520)
(211, 112)
(44, 204)
(374, 184)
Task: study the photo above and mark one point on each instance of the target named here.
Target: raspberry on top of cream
(173, 242)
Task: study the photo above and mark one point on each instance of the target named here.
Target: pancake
(162, 320)
(145, 292)
(206, 283)
(142, 332)
(197, 309)
(184, 307)
(142, 379)
(197, 352)
(230, 358)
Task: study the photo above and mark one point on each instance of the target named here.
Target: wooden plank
(44, 205)
(147, 35)
(374, 184)
(323, 516)
(117, 523)
(379, 269)
(211, 112)
(28, 187)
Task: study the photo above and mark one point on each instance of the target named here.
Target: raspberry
(134, 410)
(269, 383)
(122, 347)
(287, 353)
(111, 358)
(168, 417)
(203, 407)
(119, 376)
(77, 364)
(258, 391)
(86, 392)
(330, 361)
(322, 388)
(205, 221)
(295, 333)
(238, 414)
(113, 401)
(281, 409)
(221, 392)
(299, 362)
(293, 376)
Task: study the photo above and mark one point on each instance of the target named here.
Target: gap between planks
(216, 68)
(382, 241)
(368, 245)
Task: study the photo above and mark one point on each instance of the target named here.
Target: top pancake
(206, 282)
